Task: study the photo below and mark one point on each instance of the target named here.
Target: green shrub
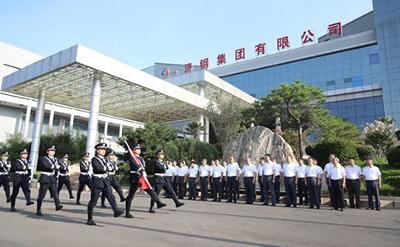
(365, 150)
(342, 149)
(13, 144)
(394, 156)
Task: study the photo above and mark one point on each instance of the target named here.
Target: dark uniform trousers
(175, 184)
(277, 188)
(373, 191)
(47, 182)
(5, 182)
(353, 191)
(268, 185)
(204, 187)
(117, 187)
(64, 180)
(249, 188)
(21, 181)
(290, 187)
(101, 185)
(314, 192)
(217, 189)
(261, 185)
(302, 191)
(224, 186)
(232, 188)
(181, 187)
(83, 180)
(161, 183)
(192, 188)
(337, 193)
(169, 180)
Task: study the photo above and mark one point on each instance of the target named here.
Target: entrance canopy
(126, 92)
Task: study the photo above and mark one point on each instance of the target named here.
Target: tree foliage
(381, 135)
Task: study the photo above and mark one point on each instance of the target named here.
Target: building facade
(359, 71)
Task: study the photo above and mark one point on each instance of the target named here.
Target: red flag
(143, 182)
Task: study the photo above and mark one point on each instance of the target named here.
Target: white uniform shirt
(260, 169)
(224, 171)
(204, 170)
(327, 166)
(182, 171)
(371, 173)
(171, 171)
(249, 170)
(268, 169)
(193, 171)
(218, 171)
(301, 171)
(313, 171)
(336, 173)
(289, 170)
(233, 170)
(277, 170)
(353, 172)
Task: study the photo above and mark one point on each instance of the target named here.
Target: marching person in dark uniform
(160, 182)
(21, 168)
(112, 168)
(84, 177)
(48, 166)
(64, 176)
(5, 166)
(138, 177)
(101, 183)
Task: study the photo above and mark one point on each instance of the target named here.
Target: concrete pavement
(197, 223)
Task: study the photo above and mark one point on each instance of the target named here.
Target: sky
(141, 33)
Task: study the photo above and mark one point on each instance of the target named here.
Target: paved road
(197, 224)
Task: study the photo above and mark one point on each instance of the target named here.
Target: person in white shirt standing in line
(193, 173)
(249, 172)
(326, 168)
(289, 173)
(302, 189)
(353, 173)
(277, 182)
(313, 174)
(233, 173)
(218, 175)
(170, 175)
(373, 182)
(182, 173)
(260, 168)
(268, 180)
(204, 172)
(337, 180)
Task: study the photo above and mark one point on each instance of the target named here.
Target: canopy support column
(94, 114)
(37, 131)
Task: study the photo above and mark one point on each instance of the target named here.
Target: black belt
(289, 177)
(349, 179)
(371, 180)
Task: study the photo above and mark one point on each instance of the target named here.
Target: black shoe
(378, 209)
(123, 199)
(273, 205)
(228, 201)
(266, 203)
(234, 201)
(78, 203)
(287, 206)
(29, 203)
(39, 213)
(341, 209)
(91, 223)
(161, 205)
(317, 207)
(179, 204)
(103, 206)
(311, 206)
(8, 200)
(370, 208)
(151, 211)
(294, 206)
(128, 216)
(71, 197)
(12, 210)
(118, 213)
(59, 208)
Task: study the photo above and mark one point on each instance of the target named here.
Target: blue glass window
(357, 81)
(330, 83)
(374, 58)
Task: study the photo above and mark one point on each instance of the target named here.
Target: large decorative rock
(255, 143)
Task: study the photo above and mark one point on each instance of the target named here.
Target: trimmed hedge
(394, 156)
(342, 149)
